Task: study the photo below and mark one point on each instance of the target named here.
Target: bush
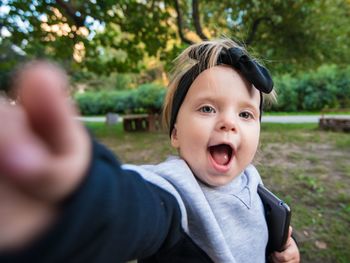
(318, 89)
(146, 98)
(327, 87)
(343, 88)
(287, 93)
(97, 103)
(150, 97)
(124, 101)
(87, 103)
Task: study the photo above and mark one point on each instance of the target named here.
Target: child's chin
(216, 180)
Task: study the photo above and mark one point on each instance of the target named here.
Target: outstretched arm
(113, 216)
(44, 154)
(82, 206)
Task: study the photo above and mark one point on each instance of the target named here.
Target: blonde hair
(205, 54)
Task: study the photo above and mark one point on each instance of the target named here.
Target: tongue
(220, 154)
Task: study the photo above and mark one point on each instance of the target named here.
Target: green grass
(102, 130)
(305, 166)
(277, 127)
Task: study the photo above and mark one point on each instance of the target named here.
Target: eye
(246, 115)
(207, 109)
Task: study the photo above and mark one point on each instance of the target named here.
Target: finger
(279, 257)
(42, 96)
(48, 131)
(290, 254)
(21, 153)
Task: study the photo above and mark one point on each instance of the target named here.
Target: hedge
(146, 98)
(327, 87)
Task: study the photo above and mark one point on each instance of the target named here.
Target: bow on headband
(235, 57)
(251, 70)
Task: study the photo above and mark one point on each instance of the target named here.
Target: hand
(290, 253)
(44, 153)
(42, 148)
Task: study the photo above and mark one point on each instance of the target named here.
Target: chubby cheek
(190, 138)
(251, 145)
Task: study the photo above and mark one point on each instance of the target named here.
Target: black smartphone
(278, 216)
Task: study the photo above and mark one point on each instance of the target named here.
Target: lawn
(308, 168)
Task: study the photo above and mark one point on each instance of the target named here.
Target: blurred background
(118, 55)
(116, 46)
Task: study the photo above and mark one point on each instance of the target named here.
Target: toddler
(199, 206)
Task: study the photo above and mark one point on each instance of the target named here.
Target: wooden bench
(141, 122)
(135, 122)
(335, 124)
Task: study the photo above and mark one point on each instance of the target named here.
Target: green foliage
(146, 98)
(326, 87)
(150, 97)
(343, 88)
(287, 94)
(8, 59)
(124, 81)
(318, 89)
(293, 35)
(102, 102)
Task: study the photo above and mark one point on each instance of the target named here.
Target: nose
(227, 122)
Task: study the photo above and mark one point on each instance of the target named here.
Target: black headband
(253, 72)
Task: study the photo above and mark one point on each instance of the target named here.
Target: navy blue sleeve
(114, 216)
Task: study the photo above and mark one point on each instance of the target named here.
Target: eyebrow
(206, 99)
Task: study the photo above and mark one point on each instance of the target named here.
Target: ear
(174, 140)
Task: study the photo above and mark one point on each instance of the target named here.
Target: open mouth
(221, 153)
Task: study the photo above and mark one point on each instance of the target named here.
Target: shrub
(87, 103)
(343, 88)
(287, 93)
(317, 90)
(327, 87)
(124, 101)
(96, 103)
(146, 98)
(150, 97)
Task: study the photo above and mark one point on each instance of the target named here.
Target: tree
(8, 59)
(107, 36)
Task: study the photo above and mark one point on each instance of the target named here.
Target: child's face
(217, 128)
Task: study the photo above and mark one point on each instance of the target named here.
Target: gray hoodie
(227, 222)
